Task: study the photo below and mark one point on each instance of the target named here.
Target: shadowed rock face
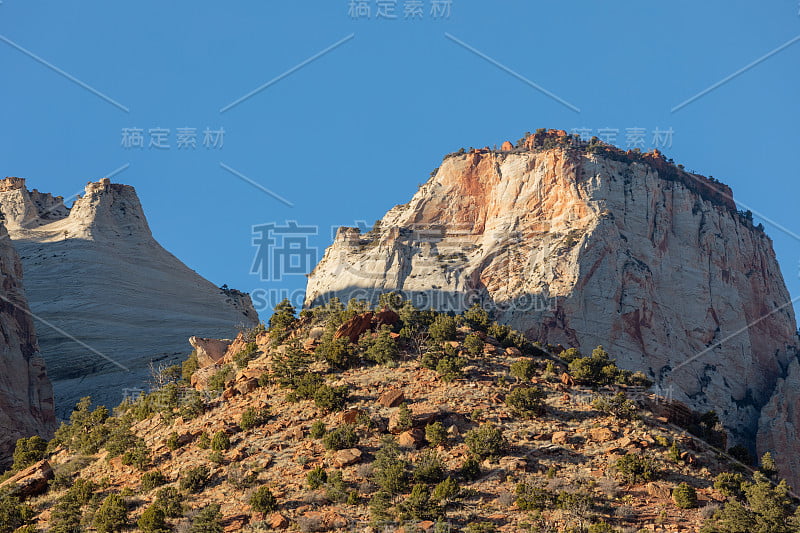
(26, 395)
(583, 249)
(111, 299)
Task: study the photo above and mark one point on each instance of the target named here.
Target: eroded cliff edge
(582, 244)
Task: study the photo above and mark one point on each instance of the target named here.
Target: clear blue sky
(351, 134)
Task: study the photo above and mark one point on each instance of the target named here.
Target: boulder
(392, 398)
(559, 437)
(246, 385)
(277, 521)
(29, 481)
(386, 316)
(601, 434)
(347, 457)
(355, 327)
(413, 438)
(199, 379)
(513, 464)
(209, 351)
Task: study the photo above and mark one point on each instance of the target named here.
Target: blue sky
(353, 132)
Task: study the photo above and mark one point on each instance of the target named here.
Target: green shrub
(600, 527)
(153, 479)
(153, 520)
(729, 484)
(429, 468)
(86, 431)
(570, 354)
(599, 369)
(317, 429)
(216, 457)
(193, 405)
(443, 328)
(471, 469)
(405, 419)
(306, 386)
(195, 479)
(120, 440)
(684, 496)
(768, 467)
(112, 515)
(418, 505)
(446, 491)
(138, 456)
(341, 438)
(316, 477)
(336, 488)
(173, 442)
(634, 468)
(66, 516)
(82, 491)
(449, 368)
(283, 317)
(435, 434)
(473, 344)
(252, 418)
(263, 501)
(203, 441)
(382, 348)
(485, 441)
(477, 318)
(170, 501)
(523, 369)
(245, 355)
(741, 454)
(532, 497)
(331, 398)
(617, 405)
(13, 514)
(189, 367)
(28, 451)
(379, 507)
(337, 352)
(390, 471)
(480, 527)
(220, 378)
(767, 507)
(220, 442)
(674, 452)
(291, 366)
(526, 401)
(208, 520)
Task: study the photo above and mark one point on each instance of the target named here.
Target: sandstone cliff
(26, 395)
(582, 244)
(109, 297)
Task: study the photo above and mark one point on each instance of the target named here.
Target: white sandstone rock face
(581, 250)
(26, 395)
(779, 426)
(108, 298)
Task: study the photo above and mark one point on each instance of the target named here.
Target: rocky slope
(582, 244)
(26, 395)
(555, 470)
(108, 298)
